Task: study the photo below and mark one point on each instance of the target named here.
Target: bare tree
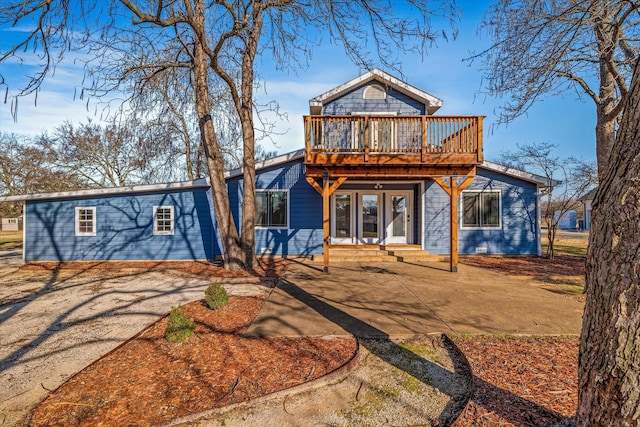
(217, 41)
(609, 372)
(543, 48)
(114, 155)
(26, 168)
(567, 179)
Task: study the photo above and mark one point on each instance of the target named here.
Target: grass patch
(577, 249)
(10, 239)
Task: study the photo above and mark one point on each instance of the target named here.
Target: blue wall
(124, 228)
(395, 102)
(304, 233)
(517, 232)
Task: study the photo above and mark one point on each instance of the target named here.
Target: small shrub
(180, 327)
(216, 296)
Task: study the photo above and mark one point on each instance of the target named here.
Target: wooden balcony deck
(376, 146)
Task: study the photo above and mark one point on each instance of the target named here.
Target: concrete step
(386, 253)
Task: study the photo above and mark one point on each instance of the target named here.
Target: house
(378, 168)
(11, 223)
(587, 202)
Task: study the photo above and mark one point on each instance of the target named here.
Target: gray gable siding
(303, 236)
(124, 228)
(516, 235)
(353, 102)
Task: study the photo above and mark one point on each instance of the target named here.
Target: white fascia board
(539, 180)
(274, 161)
(431, 102)
(199, 183)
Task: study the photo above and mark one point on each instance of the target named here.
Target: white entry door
(398, 218)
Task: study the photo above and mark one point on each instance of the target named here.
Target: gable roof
(431, 103)
(589, 195)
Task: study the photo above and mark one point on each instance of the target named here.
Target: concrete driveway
(404, 299)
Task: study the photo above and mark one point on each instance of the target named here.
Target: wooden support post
(325, 191)
(325, 221)
(453, 234)
(453, 189)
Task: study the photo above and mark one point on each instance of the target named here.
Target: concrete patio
(404, 299)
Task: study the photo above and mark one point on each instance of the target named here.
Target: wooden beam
(314, 184)
(325, 222)
(381, 172)
(337, 184)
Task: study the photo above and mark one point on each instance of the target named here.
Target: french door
(371, 217)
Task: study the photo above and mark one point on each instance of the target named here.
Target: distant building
(12, 223)
(587, 201)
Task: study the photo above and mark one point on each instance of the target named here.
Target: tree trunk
(609, 364)
(233, 256)
(608, 99)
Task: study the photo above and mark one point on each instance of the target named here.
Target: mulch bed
(539, 267)
(520, 381)
(148, 380)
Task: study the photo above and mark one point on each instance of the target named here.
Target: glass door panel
(369, 219)
(342, 224)
(398, 216)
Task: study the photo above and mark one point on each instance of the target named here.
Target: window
(374, 92)
(13, 220)
(271, 208)
(481, 209)
(163, 220)
(85, 221)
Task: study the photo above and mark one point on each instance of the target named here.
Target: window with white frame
(163, 220)
(85, 221)
(272, 208)
(481, 209)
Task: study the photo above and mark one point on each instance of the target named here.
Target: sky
(566, 121)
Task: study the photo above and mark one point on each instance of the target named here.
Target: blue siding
(124, 228)
(516, 235)
(395, 102)
(304, 233)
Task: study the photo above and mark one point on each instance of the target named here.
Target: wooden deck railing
(414, 139)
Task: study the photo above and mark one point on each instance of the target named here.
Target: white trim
(94, 221)
(24, 233)
(200, 183)
(274, 161)
(517, 173)
(157, 232)
(482, 227)
(288, 213)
